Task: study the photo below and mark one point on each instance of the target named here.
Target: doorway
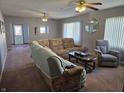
(18, 34)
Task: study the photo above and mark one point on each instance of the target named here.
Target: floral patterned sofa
(61, 46)
(53, 69)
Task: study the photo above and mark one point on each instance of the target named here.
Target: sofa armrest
(70, 80)
(73, 71)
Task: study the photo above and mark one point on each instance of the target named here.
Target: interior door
(18, 34)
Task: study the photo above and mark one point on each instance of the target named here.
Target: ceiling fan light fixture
(80, 8)
(44, 18)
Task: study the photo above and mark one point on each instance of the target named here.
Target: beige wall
(88, 39)
(32, 23)
(3, 48)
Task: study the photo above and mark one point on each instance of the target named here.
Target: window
(114, 32)
(18, 29)
(72, 30)
(44, 29)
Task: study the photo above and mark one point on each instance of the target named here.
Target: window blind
(114, 32)
(72, 30)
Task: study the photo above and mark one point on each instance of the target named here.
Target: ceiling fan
(43, 15)
(81, 6)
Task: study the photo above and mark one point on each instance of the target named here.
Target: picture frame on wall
(35, 30)
(87, 28)
(91, 27)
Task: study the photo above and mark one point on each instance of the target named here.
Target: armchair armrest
(98, 51)
(115, 53)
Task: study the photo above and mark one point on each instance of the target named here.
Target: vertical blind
(72, 30)
(114, 32)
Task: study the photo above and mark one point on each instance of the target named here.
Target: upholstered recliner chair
(106, 57)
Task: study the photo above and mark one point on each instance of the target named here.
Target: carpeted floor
(20, 74)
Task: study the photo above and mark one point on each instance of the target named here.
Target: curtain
(114, 32)
(72, 30)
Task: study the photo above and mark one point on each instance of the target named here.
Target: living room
(16, 55)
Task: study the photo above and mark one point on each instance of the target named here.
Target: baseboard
(1, 74)
(26, 43)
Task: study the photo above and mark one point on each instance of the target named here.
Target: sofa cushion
(44, 42)
(108, 57)
(59, 52)
(74, 49)
(68, 42)
(56, 44)
(63, 53)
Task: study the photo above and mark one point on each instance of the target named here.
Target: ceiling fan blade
(95, 3)
(91, 7)
(39, 11)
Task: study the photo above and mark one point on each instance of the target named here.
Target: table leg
(76, 60)
(94, 65)
(123, 87)
(86, 66)
(69, 58)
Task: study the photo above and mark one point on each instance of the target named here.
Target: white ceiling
(54, 8)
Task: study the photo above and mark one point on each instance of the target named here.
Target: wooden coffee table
(87, 60)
